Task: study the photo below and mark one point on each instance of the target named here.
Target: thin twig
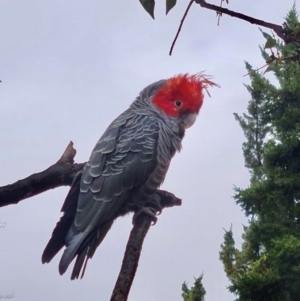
(248, 73)
(277, 28)
(180, 26)
(219, 14)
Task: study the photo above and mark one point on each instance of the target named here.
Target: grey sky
(68, 69)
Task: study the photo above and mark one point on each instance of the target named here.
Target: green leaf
(270, 42)
(169, 5)
(148, 5)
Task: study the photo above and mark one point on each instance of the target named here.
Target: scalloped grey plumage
(127, 165)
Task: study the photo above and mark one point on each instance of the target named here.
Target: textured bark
(134, 248)
(59, 174)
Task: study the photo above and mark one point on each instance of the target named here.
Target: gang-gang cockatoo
(126, 167)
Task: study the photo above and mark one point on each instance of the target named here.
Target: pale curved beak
(188, 119)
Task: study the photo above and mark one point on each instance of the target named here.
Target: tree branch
(59, 174)
(134, 248)
(279, 30)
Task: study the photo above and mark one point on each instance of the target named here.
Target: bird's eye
(178, 103)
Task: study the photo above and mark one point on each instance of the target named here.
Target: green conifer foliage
(195, 293)
(267, 268)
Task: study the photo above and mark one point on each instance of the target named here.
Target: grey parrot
(126, 167)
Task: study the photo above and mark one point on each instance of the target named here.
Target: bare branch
(277, 28)
(134, 248)
(68, 155)
(59, 174)
(62, 173)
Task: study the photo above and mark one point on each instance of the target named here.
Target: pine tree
(195, 293)
(267, 268)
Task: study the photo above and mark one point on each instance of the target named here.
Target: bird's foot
(149, 211)
(155, 205)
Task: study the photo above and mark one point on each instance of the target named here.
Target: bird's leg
(152, 208)
(154, 204)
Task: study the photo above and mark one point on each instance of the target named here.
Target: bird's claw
(147, 211)
(158, 212)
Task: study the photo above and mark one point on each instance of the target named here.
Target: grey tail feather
(70, 252)
(84, 267)
(81, 258)
(84, 250)
(57, 240)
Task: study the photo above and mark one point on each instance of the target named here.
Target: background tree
(196, 292)
(268, 265)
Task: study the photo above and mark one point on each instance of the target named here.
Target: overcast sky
(68, 68)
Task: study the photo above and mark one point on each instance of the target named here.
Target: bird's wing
(123, 158)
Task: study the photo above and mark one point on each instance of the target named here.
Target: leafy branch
(149, 5)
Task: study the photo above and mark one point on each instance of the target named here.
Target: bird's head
(181, 96)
